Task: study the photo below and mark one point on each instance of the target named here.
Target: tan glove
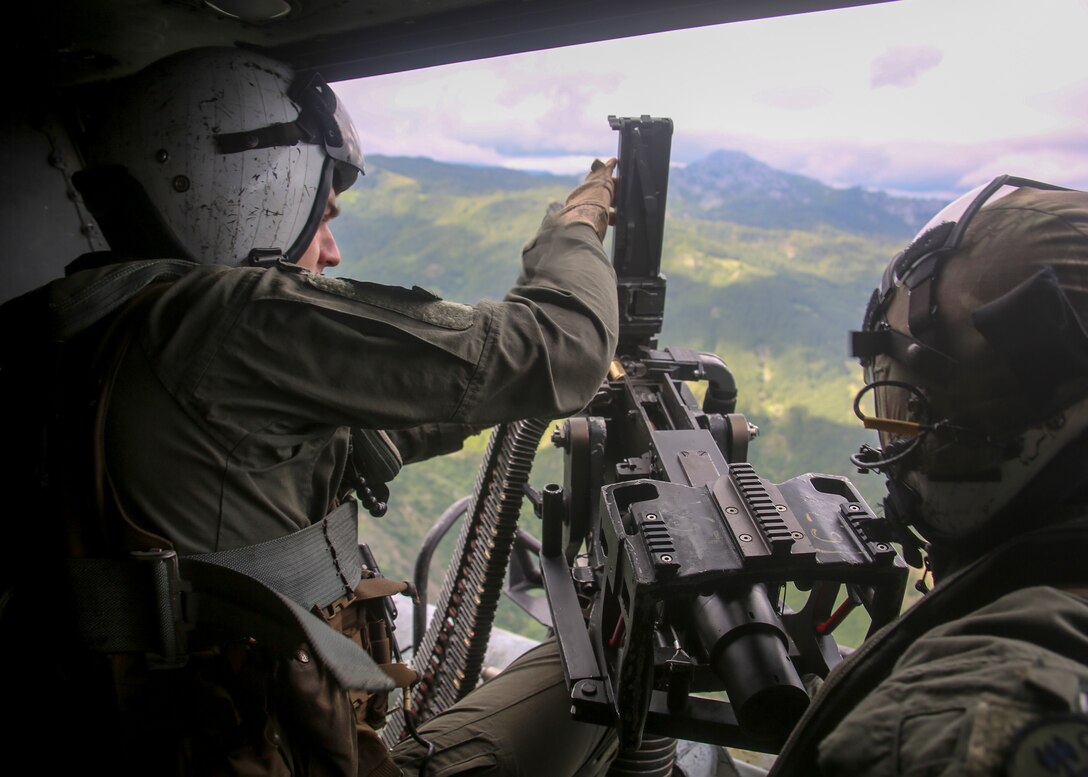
(591, 201)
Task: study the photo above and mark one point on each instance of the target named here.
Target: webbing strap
(314, 566)
(150, 602)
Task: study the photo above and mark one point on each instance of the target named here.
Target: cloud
(902, 65)
(560, 165)
(803, 99)
(924, 168)
(1068, 102)
(1061, 159)
(795, 97)
(514, 112)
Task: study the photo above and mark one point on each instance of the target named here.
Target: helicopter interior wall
(44, 222)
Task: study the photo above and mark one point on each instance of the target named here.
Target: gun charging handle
(747, 647)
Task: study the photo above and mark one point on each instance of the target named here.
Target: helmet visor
(326, 121)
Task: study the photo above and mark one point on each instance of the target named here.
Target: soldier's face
(323, 251)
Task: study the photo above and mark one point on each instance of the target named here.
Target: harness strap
(151, 602)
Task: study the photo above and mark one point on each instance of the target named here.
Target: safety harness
(283, 593)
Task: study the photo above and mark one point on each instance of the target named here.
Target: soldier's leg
(515, 724)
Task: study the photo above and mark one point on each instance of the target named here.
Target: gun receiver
(642, 181)
(665, 556)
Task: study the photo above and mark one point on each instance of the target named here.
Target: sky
(913, 97)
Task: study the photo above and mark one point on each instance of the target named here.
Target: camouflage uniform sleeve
(428, 440)
(963, 696)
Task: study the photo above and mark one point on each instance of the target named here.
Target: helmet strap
(260, 256)
(901, 509)
(286, 134)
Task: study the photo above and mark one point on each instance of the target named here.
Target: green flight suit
(229, 419)
(515, 724)
(958, 701)
(228, 425)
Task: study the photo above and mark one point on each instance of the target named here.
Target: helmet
(219, 155)
(975, 351)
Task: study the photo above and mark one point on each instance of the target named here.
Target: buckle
(160, 568)
(329, 611)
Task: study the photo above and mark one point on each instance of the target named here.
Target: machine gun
(665, 556)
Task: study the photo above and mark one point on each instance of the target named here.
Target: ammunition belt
(450, 655)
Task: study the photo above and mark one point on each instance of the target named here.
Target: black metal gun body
(665, 556)
(642, 181)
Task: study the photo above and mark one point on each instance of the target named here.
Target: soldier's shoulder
(415, 302)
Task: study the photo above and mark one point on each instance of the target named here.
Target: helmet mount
(321, 121)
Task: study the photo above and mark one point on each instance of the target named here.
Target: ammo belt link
(151, 601)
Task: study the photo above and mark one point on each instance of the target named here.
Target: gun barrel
(747, 645)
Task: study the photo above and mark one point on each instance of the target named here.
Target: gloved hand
(591, 201)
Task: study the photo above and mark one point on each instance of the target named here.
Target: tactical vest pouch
(365, 618)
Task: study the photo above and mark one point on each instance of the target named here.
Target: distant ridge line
(726, 185)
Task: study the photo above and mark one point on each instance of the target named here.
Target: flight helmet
(975, 352)
(219, 155)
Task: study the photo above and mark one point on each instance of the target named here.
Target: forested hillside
(768, 270)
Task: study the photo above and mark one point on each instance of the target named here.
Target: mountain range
(728, 186)
(732, 186)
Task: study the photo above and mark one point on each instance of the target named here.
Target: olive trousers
(517, 723)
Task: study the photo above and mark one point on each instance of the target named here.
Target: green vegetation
(773, 292)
